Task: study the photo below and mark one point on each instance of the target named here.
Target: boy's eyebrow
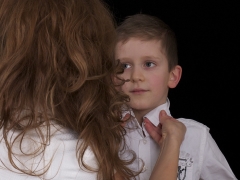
(151, 57)
(143, 57)
(123, 59)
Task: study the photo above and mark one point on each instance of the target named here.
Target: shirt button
(144, 141)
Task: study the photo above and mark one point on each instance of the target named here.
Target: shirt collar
(153, 115)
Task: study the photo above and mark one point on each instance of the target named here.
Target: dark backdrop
(208, 45)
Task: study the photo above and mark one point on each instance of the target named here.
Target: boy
(147, 48)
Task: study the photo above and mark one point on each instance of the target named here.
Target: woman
(60, 110)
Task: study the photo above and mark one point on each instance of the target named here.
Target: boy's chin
(140, 108)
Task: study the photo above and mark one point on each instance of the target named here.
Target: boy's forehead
(141, 39)
(140, 47)
(122, 42)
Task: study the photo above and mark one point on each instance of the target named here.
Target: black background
(209, 53)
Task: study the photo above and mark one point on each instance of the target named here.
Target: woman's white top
(60, 155)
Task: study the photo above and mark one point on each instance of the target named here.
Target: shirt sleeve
(215, 165)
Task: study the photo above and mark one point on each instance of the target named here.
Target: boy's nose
(136, 75)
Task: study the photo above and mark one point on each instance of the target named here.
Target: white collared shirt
(200, 157)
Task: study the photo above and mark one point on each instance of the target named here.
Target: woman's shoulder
(63, 149)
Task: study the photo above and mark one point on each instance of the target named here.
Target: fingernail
(145, 120)
(163, 112)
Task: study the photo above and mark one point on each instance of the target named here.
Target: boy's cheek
(119, 83)
(124, 88)
(118, 87)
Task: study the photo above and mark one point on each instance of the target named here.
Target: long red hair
(56, 64)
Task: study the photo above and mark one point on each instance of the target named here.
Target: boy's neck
(139, 114)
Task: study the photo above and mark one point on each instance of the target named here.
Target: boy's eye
(125, 66)
(149, 64)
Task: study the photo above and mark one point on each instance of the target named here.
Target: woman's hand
(169, 134)
(167, 128)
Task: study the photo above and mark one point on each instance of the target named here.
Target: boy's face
(146, 66)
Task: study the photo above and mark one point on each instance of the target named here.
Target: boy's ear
(175, 76)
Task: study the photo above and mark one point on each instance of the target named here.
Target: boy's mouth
(138, 91)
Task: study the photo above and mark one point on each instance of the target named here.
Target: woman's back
(56, 66)
(60, 154)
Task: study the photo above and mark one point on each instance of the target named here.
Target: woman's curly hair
(56, 64)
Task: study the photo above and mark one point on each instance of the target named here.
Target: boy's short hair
(148, 27)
